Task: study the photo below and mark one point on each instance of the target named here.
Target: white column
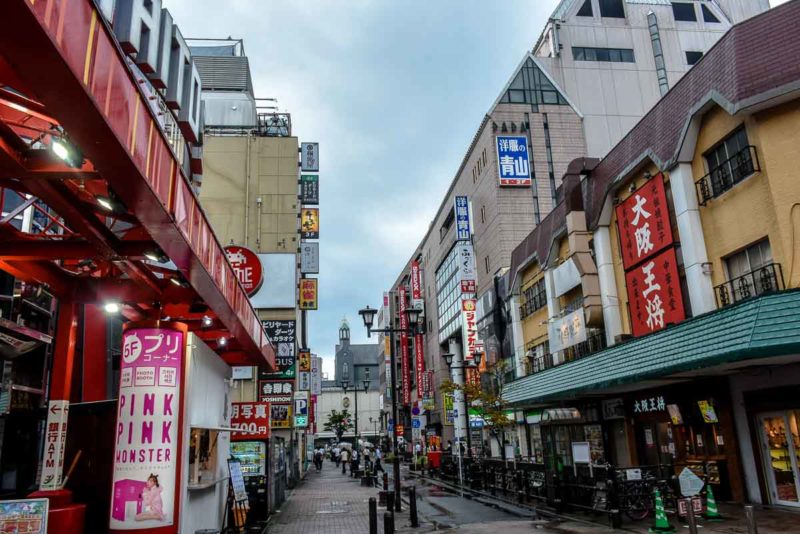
(553, 307)
(609, 298)
(693, 243)
(519, 339)
(457, 374)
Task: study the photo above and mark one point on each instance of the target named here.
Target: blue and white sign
(416, 423)
(463, 230)
(514, 167)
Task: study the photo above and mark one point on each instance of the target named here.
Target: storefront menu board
(24, 515)
(237, 481)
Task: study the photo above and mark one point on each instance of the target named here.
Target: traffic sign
(691, 484)
(416, 423)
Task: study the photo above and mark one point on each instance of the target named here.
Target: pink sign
(147, 430)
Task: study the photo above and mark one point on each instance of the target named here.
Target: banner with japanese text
(467, 270)
(309, 223)
(654, 294)
(405, 364)
(469, 327)
(282, 335)
(643, 223)
(461, 210)
(513, 164)
(147, 437)
(251, 419)
(308, 293)
(419, 342)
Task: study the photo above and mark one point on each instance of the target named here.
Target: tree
(338, 423)
(487, 401)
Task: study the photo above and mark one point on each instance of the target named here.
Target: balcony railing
(727, 174)
(595, 341)
(765, 279)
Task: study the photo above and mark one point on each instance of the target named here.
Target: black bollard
(386, 482)
(412, 506)
(390, 500)
(388, 523)
(373, 516)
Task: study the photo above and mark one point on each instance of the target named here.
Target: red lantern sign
(654, 293)
(643, 223)
(247, 267)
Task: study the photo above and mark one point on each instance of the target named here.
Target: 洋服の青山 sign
(513, 165)
(643, 223)
(247, 266)
(251, 420)
(654, 293)
(147, 432)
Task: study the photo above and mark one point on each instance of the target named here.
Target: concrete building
(616, 58)
(699, 315)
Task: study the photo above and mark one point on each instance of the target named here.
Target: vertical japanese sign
(309, 257)
(309, 157)
(467, 271)
(316, 375)
(387, 321)
(419, 343)
(513, 165)
(643, 223)
(654, 294)
(651, 267)
(416, 287)
(309, 189)
(308, 293)
(251, 419)
(55, 440)
(419, 359)
(404, 356)
(282, 335)
(304, 370)
(461, 208)
(469, 327)
(145, 477)
(309, 223)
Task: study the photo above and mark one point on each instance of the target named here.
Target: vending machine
(249, 446)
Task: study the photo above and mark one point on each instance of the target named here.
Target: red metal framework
(63, 78)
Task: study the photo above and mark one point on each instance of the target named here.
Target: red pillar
(64, 516)
(95, 387)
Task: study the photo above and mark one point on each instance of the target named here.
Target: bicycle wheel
(637, 507)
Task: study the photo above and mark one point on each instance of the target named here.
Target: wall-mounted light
(66, 152)
(222, 341)
(207, 321)
(156, 255)
(111, 308)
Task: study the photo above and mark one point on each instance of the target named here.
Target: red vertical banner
(419, 343)
(654, 294)
(404, 356)
(643, 223)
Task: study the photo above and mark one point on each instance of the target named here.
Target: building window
(730, 162)
(586, 9)
(534, 298)
(684, 11)
(693, 57)
(751, 272)
(486, 263)
(658, 53)
(446, 225)
(448, 295)
(549, 152)
(708, 16)
(611, 55)
(531, 86)
(612, 9)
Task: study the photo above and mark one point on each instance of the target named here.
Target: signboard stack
(309, 225)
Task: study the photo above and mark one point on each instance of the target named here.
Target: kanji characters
(638, 210)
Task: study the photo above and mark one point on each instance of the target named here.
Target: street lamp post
(412, 314)
(448, 358)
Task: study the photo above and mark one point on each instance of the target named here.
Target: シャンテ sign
(643, 223)
(654, 293)
(251, 421)
(309, 157)
(308, 293)
(469, 327)
(147, 433)
(513, 165)
(461, 208)
(247, 266)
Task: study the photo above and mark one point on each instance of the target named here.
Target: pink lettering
(130, 432)
(122, 399)
(168, 403)
(147, 432)
(149, 403)
(133, 402)
(120, 428)
(165, 428)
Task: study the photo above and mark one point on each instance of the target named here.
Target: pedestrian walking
(318, 458)
(354, 462)
(378, 456)
(336, 455)
(344, 457)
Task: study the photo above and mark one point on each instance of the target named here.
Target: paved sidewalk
(329, 503)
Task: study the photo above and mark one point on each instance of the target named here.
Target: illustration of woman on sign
(152, 505)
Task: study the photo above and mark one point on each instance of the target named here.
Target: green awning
(761, 327)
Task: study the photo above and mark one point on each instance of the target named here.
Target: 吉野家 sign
(145, 486)
(309, 157)
(282, 335)
(247, 267)
(276, 391)
(309, 189)
(309, 257)
(643, 223)
(461, 207)
(309, 223)
(251, 421)
(654, 293)
(308, 293)
(513, 165)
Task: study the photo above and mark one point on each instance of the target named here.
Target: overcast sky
(393, 91)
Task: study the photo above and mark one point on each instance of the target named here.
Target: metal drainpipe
(247, 191)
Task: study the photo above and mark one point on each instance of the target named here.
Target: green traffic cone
(662, 523)
(712, 512)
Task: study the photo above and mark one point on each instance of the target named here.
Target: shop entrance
(780, 441)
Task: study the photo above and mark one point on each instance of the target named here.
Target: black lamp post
(355, 394)
(412, 314)
(474, 364)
